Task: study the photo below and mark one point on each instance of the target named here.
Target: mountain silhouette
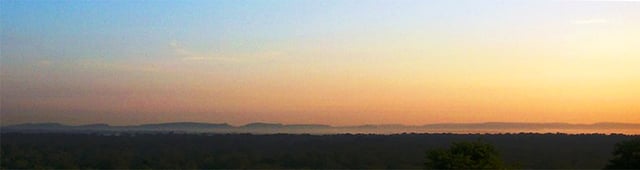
(261, 127)
(184, 125)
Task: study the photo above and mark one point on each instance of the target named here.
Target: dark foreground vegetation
(58, 150)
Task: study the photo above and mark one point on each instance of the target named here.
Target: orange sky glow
(324, 63)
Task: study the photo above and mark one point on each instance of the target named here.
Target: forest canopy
(352, 151)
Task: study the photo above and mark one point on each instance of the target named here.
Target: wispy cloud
(181, 51)
(590, 21)
(189, 55)
(43, 63)
(104, 65)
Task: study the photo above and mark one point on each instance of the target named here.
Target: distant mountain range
(182, 125)
(260, 127)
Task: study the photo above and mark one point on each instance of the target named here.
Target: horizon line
(289, 124)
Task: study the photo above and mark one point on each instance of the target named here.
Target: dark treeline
(51, 150)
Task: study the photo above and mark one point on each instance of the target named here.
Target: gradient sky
(330, 62)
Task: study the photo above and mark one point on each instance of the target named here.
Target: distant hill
(184, 125)
(35, 126)
(262, 128)
(99, 125)
(306, 126)
(263, 125)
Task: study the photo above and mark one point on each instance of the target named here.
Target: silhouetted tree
(626, 155)
(465, 155)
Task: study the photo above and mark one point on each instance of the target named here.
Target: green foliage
(465, 155)
(626, 155)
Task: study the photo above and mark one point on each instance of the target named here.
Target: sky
(333, 62)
